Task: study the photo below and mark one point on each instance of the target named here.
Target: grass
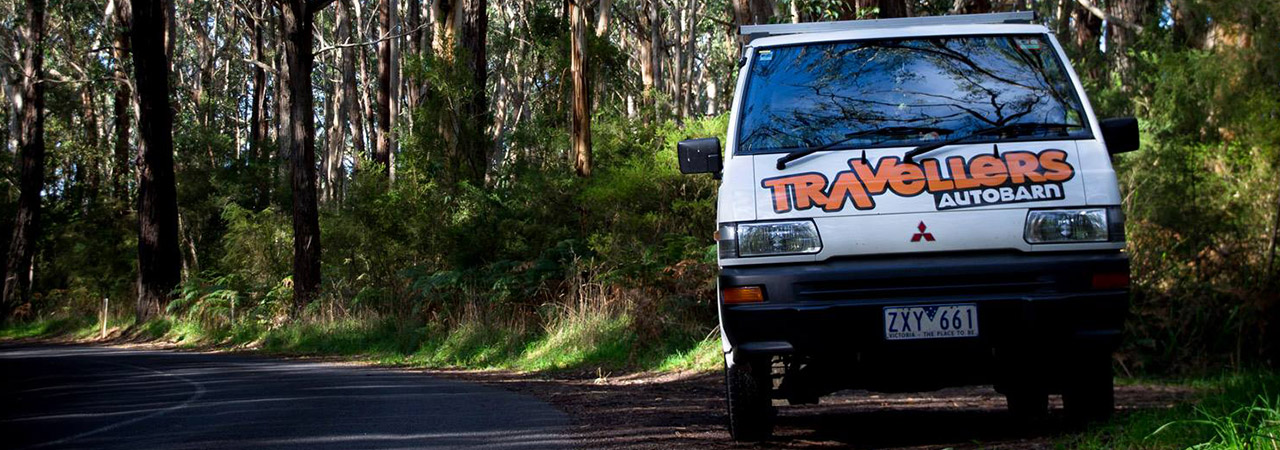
(63, 327)
(584, 340)
(1236, 411)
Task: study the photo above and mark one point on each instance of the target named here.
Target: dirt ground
(670, 411)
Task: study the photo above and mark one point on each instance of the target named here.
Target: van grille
(932, 286)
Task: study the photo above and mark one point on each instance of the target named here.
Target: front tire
(747, 392)
(1090, 393)
(1027, 403)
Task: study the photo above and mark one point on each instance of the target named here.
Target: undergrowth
(1237, 411)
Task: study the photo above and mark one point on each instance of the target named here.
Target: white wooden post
(106, 305)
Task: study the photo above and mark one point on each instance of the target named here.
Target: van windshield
(937, 88)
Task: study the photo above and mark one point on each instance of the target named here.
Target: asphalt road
(96, 397)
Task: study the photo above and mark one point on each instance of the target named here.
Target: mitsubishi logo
(922, 234)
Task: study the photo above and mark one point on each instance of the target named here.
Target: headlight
(1067, 225)
(769, 239)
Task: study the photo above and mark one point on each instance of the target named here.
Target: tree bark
(382, 150)
(678, 63)
(749, 12)
(344, 92)
(894, 8)
(360, 102)
(121, 103)
(413, 26)
(159, 260)
(648, 72)
(297, 20)
(605, 11)
(334, 140)
(752, 12)
(26, 224)
(1087, 29)
(473, 149)
(284, 115)
(581, 126)
(257, 120)
(1123, 30)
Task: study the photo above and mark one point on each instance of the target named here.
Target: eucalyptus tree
(31, 158)
(159, 260)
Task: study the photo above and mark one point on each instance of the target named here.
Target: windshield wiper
(1021, 127)
(887, 131)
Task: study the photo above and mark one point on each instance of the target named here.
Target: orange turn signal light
(1110, 280)
(743, 294)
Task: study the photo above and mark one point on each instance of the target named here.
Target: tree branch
(1108, 17)
(317, 5)
(375, 41)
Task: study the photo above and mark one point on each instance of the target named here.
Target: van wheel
(747, 390)
(1089, 395)
(1027, 404)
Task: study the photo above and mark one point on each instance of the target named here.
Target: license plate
(930, 322)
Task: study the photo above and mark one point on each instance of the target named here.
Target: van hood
(1008, 175)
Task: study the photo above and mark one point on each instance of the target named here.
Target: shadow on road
(665, 412)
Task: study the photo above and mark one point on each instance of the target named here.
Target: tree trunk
(1189, 26)
(677, 63)
(121, 104)
(296, 18)
(689, 60)
(382, 152)
(894, 8)
(752, 12)
(332, 143)
(257, 120)
(1087, 29)
(159, 260)
(604, 12)
(350, 104)
(648, 73)
(971, 7)
(581, 126)
(1134, 12)
(360, 102)
(473, 25)
(749, 12)
(284, 117)
(394, 106)
(413, 26)
(26, 224)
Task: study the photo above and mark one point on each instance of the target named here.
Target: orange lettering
(906, 180)
(809, 190)
(933, 174)
(960, 173)
(847, 185)
(781, 199)
(875, 180)
(1055, 162)
(806, 188)
(988, 170)
(1023, 166)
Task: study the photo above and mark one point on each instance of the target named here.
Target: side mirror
(1121, 134)
(700, 156)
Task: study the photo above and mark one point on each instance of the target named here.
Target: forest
(468, 183)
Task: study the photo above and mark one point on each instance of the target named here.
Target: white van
(912, 204)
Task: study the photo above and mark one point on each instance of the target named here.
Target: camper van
(912, 204)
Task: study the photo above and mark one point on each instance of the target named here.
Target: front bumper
(1035, 310)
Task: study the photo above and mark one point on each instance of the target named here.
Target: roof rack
(753, 32)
